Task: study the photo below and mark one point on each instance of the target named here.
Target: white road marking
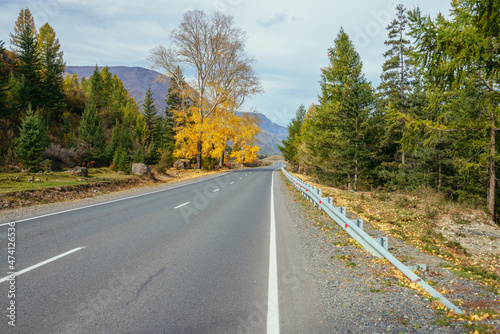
(240, 178)
(178, 206)
(216, 190)
(273, 315)
(107, 202)
(231, 183)
(6, 278)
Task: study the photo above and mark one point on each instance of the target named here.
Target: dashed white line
(6, 278)
(231, 183)
(178, 206)
(216, 190)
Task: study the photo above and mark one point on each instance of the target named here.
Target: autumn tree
(51, 90)
(460, 61)
(214, 48)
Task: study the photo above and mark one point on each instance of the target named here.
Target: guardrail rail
(378, 247)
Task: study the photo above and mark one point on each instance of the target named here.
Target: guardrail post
(383, 241)
(343, 210)
(359, 223)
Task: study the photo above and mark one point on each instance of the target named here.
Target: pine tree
(24, 42)
(291, 143)
(4, 84)
(52, 95)
(150, 118)
(339, 131)
(460, 61)
(91, 141)
(396, 79)
(33, 140)
(97, 88)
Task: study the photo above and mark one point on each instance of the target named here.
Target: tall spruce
(25, 46)
(150, 118)
(339, 128)
(32, 141)
(91, 141)
(395, 85)
(4, 84)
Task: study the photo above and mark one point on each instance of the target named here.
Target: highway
(218, 255)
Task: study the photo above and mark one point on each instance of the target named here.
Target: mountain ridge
(136, 80)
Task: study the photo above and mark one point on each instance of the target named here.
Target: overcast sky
(288, 38)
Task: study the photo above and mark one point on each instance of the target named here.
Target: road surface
(218, 255)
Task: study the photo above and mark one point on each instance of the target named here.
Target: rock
(120, 172)
(79, 171)
(38, 180)
(182, 164)
(140, 169)
(31, 179)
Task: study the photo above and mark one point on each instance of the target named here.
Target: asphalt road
(213, 256)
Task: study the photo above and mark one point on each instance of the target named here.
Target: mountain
(136, 80)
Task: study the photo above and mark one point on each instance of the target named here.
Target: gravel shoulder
(363, 294)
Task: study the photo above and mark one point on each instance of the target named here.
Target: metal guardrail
(354, 228)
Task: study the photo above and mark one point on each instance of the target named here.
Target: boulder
(182, 164)
(79, 171)
(120, 172)
(140, 169)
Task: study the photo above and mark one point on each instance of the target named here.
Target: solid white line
(6, 278)
(273, 315)
(216, 190)
(178, 206)
(111, 201)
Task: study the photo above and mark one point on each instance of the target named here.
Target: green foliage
(139, 155)
(151, 133)
(24, 42)
(33, 140)
(291, 143)
(338, 138)
(91, 142)
(121, 161)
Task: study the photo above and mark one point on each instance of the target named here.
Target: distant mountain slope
(136, 80)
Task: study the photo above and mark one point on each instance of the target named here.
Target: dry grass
(464, 238)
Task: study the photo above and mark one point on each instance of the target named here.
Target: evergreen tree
(150, 118)
(4, 84)
(96, 88)
(91, 140)
(52, 95)
(340, 144)
(396, 79)
(24, 42)
(461, 66)
(33, 140)
(121, 159)
(291, 143)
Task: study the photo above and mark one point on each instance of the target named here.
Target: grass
(14, 182)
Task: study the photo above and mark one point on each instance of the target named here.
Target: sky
(289, 39)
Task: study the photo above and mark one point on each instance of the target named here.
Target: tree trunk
(221, 161)
(356, 177)
(440, 174)
(491, 195)
(198, 155)
(403, 157)
(349, 181)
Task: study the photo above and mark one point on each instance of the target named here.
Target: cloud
(276, 19)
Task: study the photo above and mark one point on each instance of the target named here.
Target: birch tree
(214, 48)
